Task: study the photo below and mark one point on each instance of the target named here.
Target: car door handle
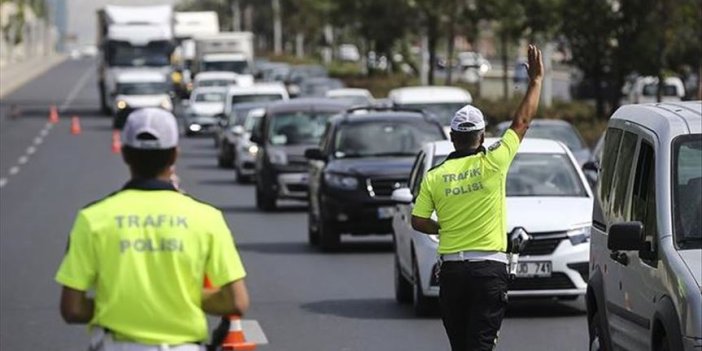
(620, 257)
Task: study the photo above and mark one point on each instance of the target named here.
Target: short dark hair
(466, 138)
(148, 163)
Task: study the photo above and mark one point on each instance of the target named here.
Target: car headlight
(121, 104)
(341, 181)
(166, 104)
(484, 68)
(579, 235)
(278, 157)
(195, 127)
(252, 149)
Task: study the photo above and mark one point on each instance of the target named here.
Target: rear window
(237, 99)
(298, 128)
(442, 111)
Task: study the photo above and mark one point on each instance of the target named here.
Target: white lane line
(31, 150)
(3, 182)
(253, 332)
(22, 160)
(76, 89)
(38, 141)
(14, 170)
(44, 132)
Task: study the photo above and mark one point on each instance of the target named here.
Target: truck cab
(131, 37)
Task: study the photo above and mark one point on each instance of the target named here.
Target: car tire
(403, 287)
(225, 160)
(264, 201)
(423, 305)
(312, 230)
(662, 343)
(240, 178)
(596, 335)
(329, 236)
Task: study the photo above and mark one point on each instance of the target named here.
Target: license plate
(540, 269)
(385, 212)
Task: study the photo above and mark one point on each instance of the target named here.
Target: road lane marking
(76, 89)
(38, 141)
(3, 181)
(31, 150)
(253, 332)
(44, 132)
(14, 170)
(22, 160)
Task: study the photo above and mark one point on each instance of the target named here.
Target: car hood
(693, 263)
(143, 100)
(207, 108)
(548, 214)
(373, 166)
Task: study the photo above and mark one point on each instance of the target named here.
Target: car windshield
(652, 90)
(215, 83)
(142, 88)
(442, 111)
(298, 128)
(237, 99)
(238, 115)
(544, 174)
(384, 138)
(563, 133)
(687, 187)
(241, 67)
(209, 97)
(251, 121)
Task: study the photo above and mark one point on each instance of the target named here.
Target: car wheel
(596, 340)
(267, 201)
(662, 344)
(422, 304)
(403, 287)
(312, 229)
(329, 236)
(240, 178)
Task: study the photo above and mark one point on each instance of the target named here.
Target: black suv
(287, 129)
(363, 156)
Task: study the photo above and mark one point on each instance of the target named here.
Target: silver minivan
(646, 247)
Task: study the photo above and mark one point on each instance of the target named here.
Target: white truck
(226, 51)
(132, 37)
(188, 26)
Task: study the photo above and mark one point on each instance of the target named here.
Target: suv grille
(556, 281)
(384, 187)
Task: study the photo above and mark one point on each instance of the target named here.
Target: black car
(287, 129)
(361, 160)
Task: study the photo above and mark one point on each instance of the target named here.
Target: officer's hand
(534, 65)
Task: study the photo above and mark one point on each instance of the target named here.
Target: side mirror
(238, 130)
(402, 196)
(625, 236)
(315, 154)
(591, 166)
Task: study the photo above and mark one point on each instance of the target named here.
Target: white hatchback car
(548, 196)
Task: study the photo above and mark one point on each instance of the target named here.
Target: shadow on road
(252, 208)
(224, 181)
(293, 248)
(191, 154)
(203, 166)
(542, 308)
(361, 309)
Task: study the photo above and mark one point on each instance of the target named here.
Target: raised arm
(527, 108)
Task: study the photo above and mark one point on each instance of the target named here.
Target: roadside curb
(15, 75)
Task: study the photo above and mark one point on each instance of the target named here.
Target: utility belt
(102, 340)
(474, 256)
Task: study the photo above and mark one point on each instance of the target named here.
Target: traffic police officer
(467, 191)
(145, 250)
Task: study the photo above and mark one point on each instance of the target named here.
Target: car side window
(622, 173)
(325, 141)
(417, 174)
(643, 204)
(612, 140)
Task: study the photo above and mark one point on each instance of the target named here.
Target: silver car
(644, 291)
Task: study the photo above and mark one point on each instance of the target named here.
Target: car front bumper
(356, 214)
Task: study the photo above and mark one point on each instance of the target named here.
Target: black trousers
(473, 298)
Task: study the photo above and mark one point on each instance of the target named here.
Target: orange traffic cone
(116, 142)
(75, 125)
(235, 339)
(53, 114)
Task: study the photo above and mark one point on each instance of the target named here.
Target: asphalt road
(301, 298)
